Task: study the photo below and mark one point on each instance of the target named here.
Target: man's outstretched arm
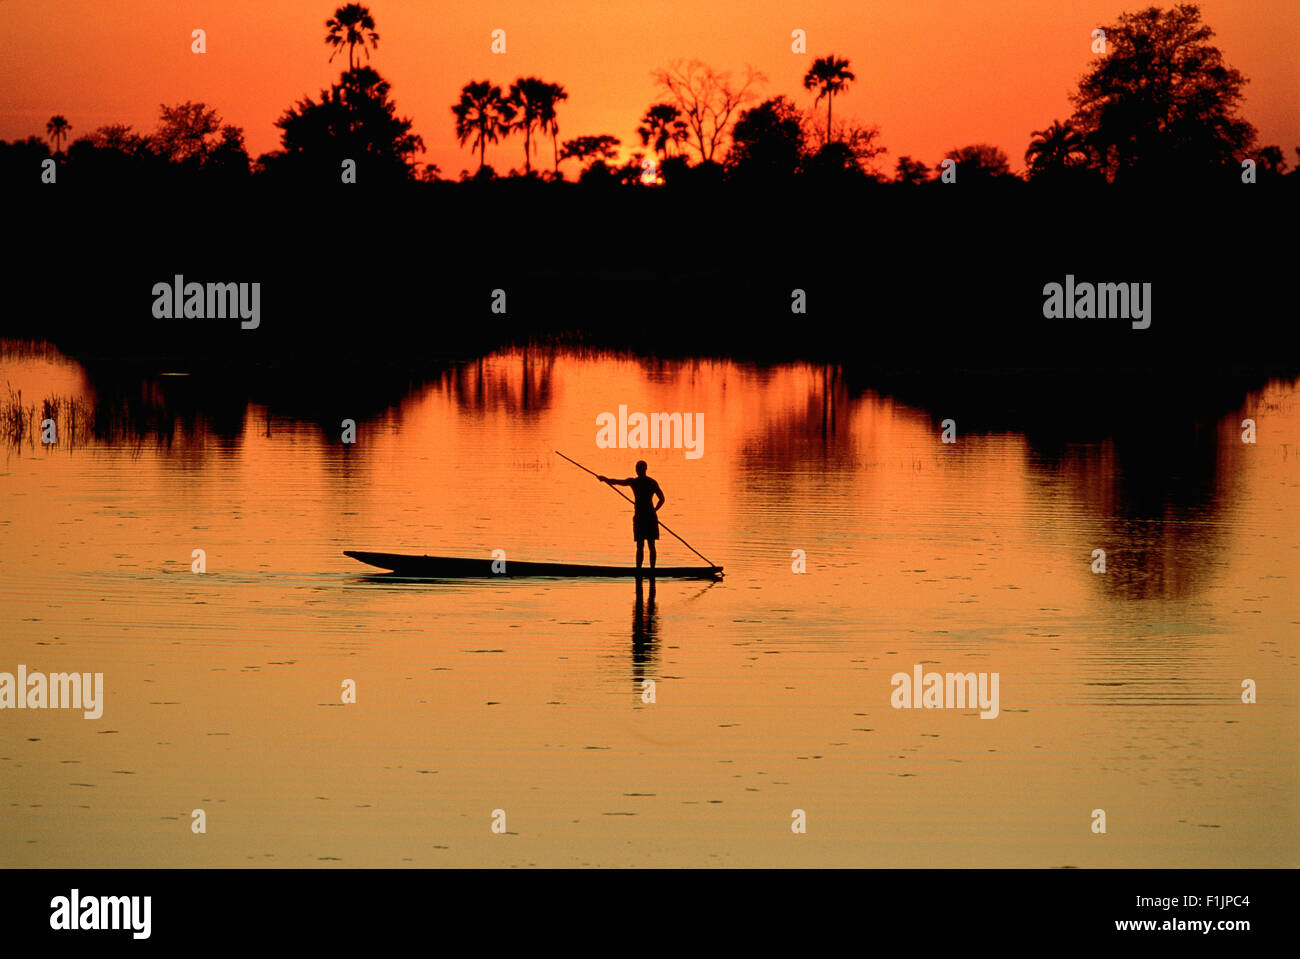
(614, 482)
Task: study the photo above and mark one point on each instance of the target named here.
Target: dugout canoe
(446, 567)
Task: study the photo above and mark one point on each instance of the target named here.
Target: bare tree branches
(860, 143)
(707, 99)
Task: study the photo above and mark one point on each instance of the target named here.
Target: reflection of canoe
(442, 567)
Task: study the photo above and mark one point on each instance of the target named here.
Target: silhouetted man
(645, 524)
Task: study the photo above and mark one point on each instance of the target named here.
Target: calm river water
(525, 704)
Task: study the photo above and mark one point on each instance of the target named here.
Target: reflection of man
(645, 524)
(645, 631)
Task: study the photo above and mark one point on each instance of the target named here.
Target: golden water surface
(1119, 691)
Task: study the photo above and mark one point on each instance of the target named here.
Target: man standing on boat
(645, 522)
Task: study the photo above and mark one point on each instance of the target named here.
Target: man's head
(640, 467)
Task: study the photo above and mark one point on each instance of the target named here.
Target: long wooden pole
(625, 496)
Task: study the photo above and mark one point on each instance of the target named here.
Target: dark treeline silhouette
(1161, 107)
(190, 145)
(353, 121)
(805, 254)
(890, 281)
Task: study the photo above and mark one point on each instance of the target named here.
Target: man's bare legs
(640, 552)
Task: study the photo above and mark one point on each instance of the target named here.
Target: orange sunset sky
(934, 74)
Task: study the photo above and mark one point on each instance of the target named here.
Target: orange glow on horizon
(933, 76)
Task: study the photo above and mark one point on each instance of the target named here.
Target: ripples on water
(1118, 691)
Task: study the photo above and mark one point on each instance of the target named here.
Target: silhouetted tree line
(1161, 106)
(190, 142)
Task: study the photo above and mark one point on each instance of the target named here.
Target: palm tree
(547, 121)
(529, 97)
(828, 76)
(351, 24)
(57, 128)
(484, 114)
(662, 124)
(1057, 148)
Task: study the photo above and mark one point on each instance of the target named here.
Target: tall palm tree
(483, 114)
(352, 24)
(663, 126)
(828, 76)
(57, 128)
(1057, 148)
(528, 96)
(548, 122)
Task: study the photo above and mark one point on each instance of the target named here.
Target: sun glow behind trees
(933, 76)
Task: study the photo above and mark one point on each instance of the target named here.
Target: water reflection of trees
(1147, 460)
(812, 430)
(1159, 497)
(519, 383)
(202, 408)
(128, 412)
